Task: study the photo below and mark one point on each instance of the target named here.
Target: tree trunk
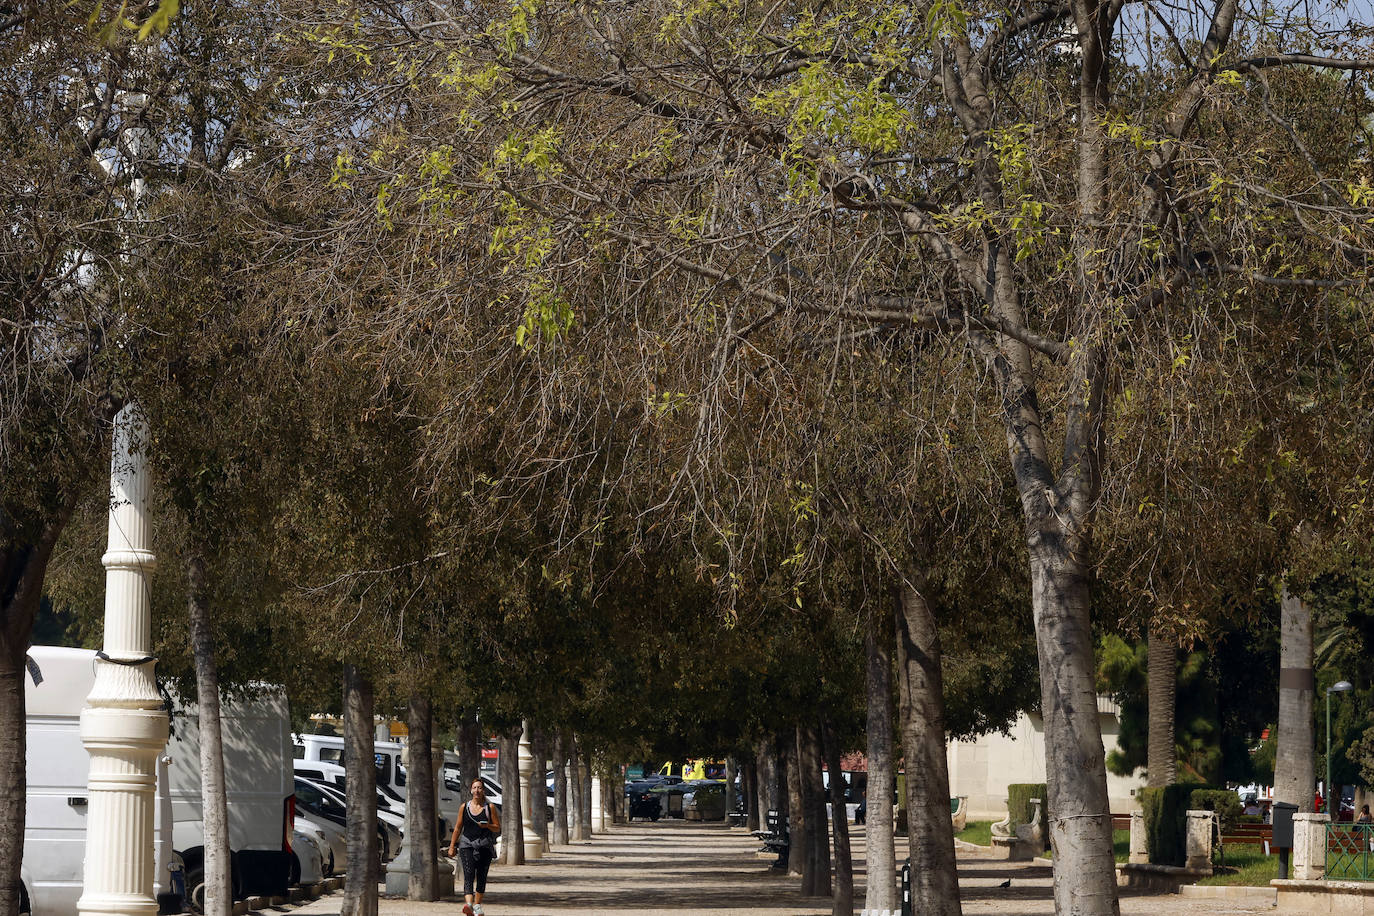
(1161, 764)
(842, 899)
(796, 809)
(539, 789)
(363, 869)
(421, 802)
(880, 892)
(816, 874)
(23, 567)
(217, 881)
(512, 826)
(560, 790)
(1295, 762)
(1080, 822)
(934, 876)
(13, 746)
(766, 775)
(575, 791)
(615, 776)
(751, 795)
(469, 753)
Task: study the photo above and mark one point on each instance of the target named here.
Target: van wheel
(195, 890)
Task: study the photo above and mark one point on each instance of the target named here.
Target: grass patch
(1121, 845)
(1246, 866)
(979, 832)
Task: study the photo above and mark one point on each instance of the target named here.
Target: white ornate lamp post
(534, 844)
(124, 724)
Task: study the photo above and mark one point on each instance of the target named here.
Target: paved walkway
(672, 868)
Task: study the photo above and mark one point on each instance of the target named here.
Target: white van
(256, 735)
(58, 769)
(391, 773)
(258, 777)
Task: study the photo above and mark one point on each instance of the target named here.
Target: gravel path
(673, 868)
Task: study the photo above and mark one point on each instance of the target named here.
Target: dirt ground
(671, 868)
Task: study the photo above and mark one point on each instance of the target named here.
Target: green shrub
(1225, 802)
(1166, 817)
(1165, 823)
(1019, 795)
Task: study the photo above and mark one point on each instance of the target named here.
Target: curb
(300, 894)
(970, 847)
(1230, 892)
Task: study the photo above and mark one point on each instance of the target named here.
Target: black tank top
(473, 831)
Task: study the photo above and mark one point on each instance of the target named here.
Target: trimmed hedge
(1166, 817)
(1019, 795)
(1165, 822)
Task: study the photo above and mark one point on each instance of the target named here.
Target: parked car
(333, 777)
(393, 824)
(329, 835)
(391, 772)
(671, 794)
(308, 851)
(854, 785)
(642, 800)
(321, 805)
(704, 800)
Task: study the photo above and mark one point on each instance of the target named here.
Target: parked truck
(257, 752)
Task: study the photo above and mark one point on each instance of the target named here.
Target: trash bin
(1282, 821)
(1283, 824)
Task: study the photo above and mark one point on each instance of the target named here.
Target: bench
(775, 838)
(1249, 835)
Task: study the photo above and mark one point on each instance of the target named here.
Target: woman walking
(475, 836)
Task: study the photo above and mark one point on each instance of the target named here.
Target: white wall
(982, 769)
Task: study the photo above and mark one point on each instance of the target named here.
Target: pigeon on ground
(1006, 883)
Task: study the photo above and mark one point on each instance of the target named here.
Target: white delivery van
(391, 773)
(256, 734)
(58, 769)
(257, 755)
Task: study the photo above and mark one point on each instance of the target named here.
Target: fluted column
(534, 844)
(124, 724)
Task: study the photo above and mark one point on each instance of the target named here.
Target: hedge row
(1166, 817)
(1019, 795)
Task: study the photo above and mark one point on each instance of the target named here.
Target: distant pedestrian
(475, 836)
(1365, 817)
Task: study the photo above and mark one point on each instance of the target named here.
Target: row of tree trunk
(785, 773)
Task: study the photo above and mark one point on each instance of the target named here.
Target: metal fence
(1350, 852)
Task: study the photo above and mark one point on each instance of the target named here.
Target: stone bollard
(1309, 846)
(1140, 845)
(1199, 840)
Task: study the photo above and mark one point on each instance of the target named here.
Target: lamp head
(1340, 687)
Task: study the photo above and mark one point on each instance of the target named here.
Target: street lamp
(1338, 687)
